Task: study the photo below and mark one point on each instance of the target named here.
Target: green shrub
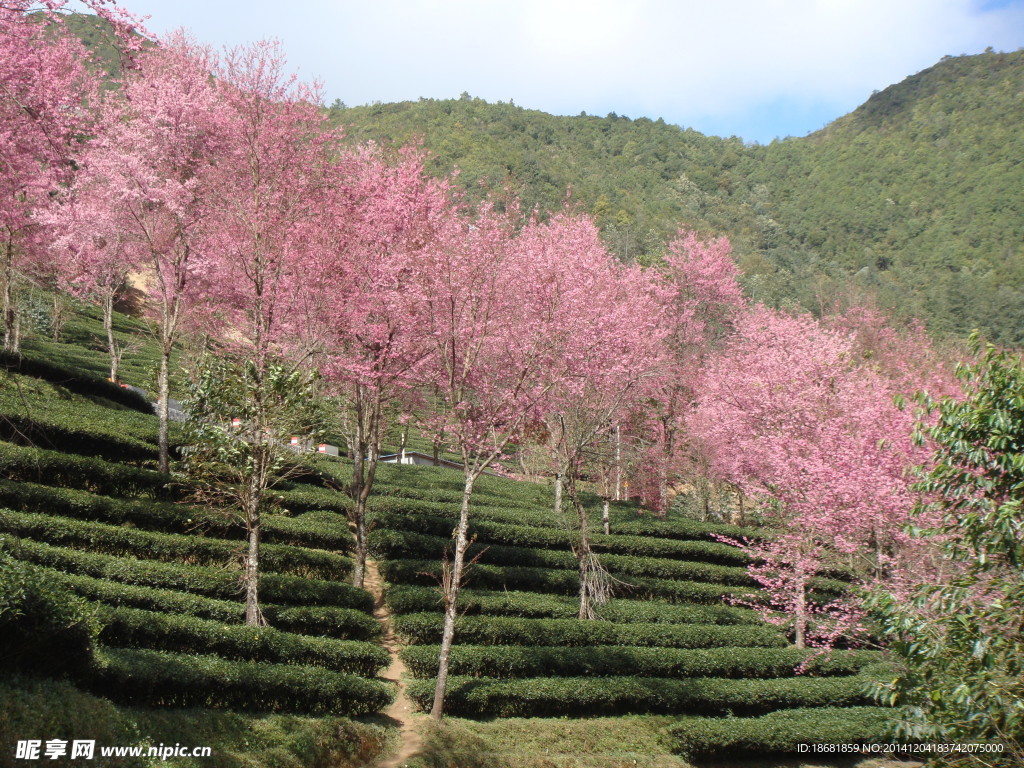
(539, 661)
(412, 599)
(310, 499)
(148, 598)
(423, 628)
(682, 529)
(322, 530)
(404, 492)
(75, 381)
(83, 439)
(563, 582)
(558, 538)
(781, 732)
(384, 543)
(243, 740)
(36, 465)
(187, 634)
(169, 547)
(43, 628)
(201, 580)
(323, 621)
(158, 678)
(576, 696)
(44, 709)
(52, 709)
(500, 513)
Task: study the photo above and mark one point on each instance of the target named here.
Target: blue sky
(758, 69)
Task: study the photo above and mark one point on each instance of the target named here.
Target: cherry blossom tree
(384, 212)
(43, 87)
(493, 311)
(96, 271)
(700, 294)
(605, 368)
(486, 382)
(795, 419)
(956, 636)
(46, 87)
(143, 188)
(262, 217)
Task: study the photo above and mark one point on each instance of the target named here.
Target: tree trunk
(800, 615)
(669, 436)
(739, 517)
(558, 493)
(595, 584)
(365, 458)
(108, 325)
(618, 463)
(358, 480)
(359, 570)
(253, 614)
(9, 308)
(451, 595)
(606, 518)
(370, 468)
(59, 316)
(163, 410)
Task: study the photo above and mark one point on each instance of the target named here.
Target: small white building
(415, 457)
(424, 459)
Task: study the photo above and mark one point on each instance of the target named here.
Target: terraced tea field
(82, 507)
(669, 671)
(698, 676)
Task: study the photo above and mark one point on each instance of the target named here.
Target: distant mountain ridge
(916, 196)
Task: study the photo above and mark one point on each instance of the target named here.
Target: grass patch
(47, 709)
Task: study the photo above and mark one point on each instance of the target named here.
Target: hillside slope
(917, 195)
(920, 193)
(149, 582)
(111, 581)
(668, 668)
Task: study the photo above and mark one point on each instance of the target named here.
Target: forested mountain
(917, 195)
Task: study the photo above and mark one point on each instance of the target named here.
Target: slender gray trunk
(365, 458)
(583, 551)
(606, 518)
(558, 493)
(669, 433)
(800, 616)
(451, 595)
(58, 317)
(108, 326)
(595, 584)
(9, 308)
(253, 614)
(10, 320)
(739, 517)
(163, 410)
(359, 571)
(618, 463)
(359, 508)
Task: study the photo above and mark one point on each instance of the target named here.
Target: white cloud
(689, 61)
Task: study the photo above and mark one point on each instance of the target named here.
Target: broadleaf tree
(957, 640)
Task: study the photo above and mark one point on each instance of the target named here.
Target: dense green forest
(916, 196)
